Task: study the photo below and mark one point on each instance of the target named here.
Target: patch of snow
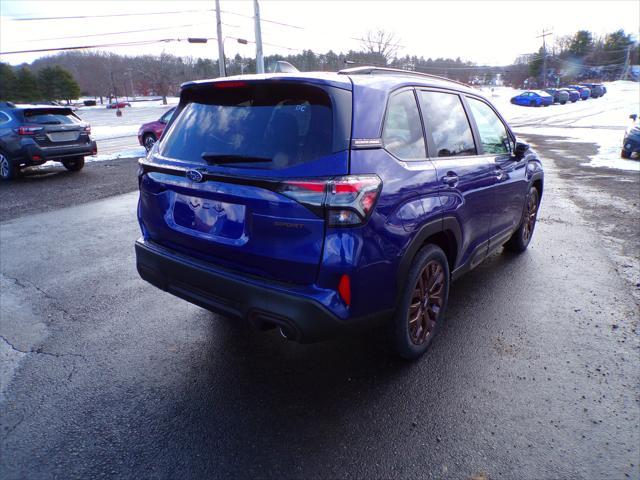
(129, 153)
(105, 132)
(601, 121)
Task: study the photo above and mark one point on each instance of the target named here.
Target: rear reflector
(344, 289)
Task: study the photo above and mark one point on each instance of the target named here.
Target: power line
(103, 45)
(124, 32)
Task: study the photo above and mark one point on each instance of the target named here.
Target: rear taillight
(345, 201)
(87, 129)
(27, 130)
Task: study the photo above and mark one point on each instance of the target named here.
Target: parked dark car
(33, 134)
(597, 89)
(631, 141)
(559, 96)
(574, 95)
(321, 203)
(533, 99)
(149, 133)
(118, 104)
(585, 92)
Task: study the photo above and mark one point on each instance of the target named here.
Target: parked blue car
(585, 92)
(321, 203)
(533, 99)
(574, 95)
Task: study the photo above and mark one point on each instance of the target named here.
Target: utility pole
(259, 57)
(544, 56)
(627, 60)
(220, 40)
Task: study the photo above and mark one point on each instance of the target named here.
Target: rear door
(59, 127)
(232, 180)
(466, 178)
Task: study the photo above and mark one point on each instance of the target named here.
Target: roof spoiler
(393, 71)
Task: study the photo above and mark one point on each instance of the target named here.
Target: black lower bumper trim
(302, 319)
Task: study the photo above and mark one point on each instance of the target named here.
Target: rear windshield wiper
(221, 159)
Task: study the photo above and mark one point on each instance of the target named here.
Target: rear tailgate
(213, 187)
(58, 127)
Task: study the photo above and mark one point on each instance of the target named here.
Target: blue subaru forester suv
(327, 202)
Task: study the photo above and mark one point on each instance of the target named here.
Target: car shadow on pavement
(261, 403)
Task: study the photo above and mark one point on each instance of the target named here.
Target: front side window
(493, 134)
(447, 123)
(402, 133)
(167, 116)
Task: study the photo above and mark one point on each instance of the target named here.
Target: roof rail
(398, 71)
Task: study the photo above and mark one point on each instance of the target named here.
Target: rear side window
(402, 133)
(50, 117)
(447, 123)
(493, 134)
(276, 125)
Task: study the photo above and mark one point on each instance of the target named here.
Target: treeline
(584, 55)
(68, 75)
(48, 83)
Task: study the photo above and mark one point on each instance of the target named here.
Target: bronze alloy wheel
(530, 218)
(426, 302)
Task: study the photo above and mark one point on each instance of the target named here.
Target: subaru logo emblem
(194, 175)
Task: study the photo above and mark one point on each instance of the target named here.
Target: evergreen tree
(581, 44)
(26, 86)
(56, 83)
(7, 83)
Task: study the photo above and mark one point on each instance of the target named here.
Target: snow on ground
(105, 132)
(129, 153)
(601, 120)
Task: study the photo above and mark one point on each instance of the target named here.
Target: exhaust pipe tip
(284, 333)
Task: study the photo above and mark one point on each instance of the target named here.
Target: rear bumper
(631, 143)
(302, 317)
(36, 155)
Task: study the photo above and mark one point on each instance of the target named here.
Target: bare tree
(382, 43)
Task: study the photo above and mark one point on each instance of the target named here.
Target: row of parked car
(549, 96)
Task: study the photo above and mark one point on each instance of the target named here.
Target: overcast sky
(485, 32)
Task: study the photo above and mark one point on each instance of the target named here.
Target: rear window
(277, 125)
(50, 117)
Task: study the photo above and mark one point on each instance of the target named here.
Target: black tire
(532, 103)
(74, 164)
(8, 169)
(574, 101)
(422, 305)
(625, 154)
(148, 141)
(520, 239)
(563, 102)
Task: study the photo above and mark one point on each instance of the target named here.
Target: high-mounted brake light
(345, 201)
(27, 130)
(231, 84)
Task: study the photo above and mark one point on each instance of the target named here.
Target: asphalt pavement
(534, 375)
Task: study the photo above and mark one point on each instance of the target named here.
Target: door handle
(450, 179)
(500, 174)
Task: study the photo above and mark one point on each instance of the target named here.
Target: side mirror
(633, 117)
(521, 149)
